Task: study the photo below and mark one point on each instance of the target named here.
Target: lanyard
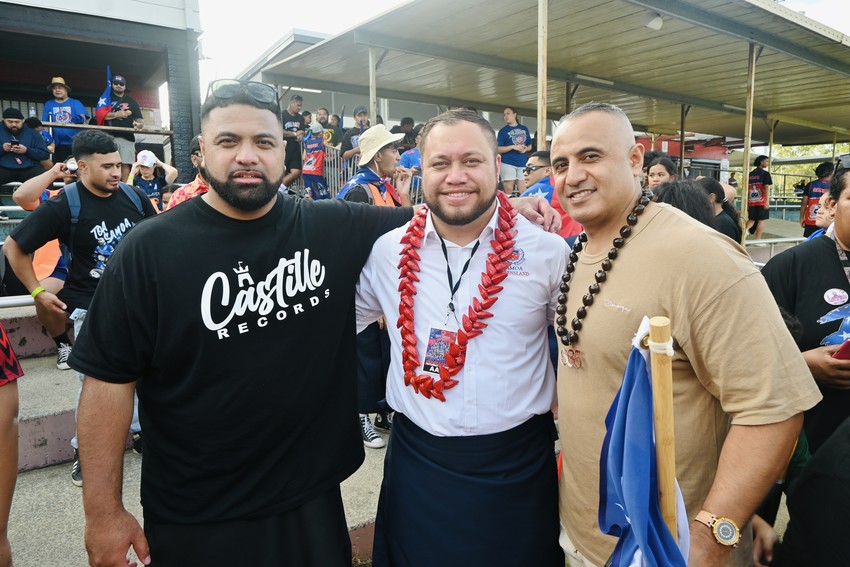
(453, 287)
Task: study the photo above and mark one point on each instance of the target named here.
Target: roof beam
(705, 19)
(433, 51)
(439, 100)
(807, 123)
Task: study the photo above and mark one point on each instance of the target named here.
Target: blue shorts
(60, 272)
(317, 185)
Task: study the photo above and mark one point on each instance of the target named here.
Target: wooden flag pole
(662, 401)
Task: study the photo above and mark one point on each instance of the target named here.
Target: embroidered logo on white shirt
(516, 260)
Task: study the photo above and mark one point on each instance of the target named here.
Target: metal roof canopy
(484, 54)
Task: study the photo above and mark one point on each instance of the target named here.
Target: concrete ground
(46, 524)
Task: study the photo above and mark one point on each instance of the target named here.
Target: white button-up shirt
(507, 377)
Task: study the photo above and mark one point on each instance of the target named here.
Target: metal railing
(167, 134)
(338, 171)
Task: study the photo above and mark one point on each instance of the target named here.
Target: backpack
(72, 193)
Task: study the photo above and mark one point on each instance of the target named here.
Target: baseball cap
(119, 79)
(373, 140)
(146, 158)
(360, 109)
(316, 128)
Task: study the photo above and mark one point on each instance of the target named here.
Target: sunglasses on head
(229, 88)
(533, 168)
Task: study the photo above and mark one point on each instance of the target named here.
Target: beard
(456, 217)
(240, 197)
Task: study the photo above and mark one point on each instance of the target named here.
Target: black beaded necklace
(570, 338)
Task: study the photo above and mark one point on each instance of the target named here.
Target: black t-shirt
(293, 124)
(102, 225)
(819, 506)
(351, 139)
(240, 334)
(123, 103)
(725, 224)
(809, 282)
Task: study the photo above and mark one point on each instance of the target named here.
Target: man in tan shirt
(739, 382)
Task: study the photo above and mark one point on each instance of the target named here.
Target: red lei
(473, 324)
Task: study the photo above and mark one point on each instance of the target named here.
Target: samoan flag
(104, 103)
(628, 483)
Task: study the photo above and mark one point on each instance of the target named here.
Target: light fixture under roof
(653, 21)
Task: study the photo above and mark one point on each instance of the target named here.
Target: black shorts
(293, 155)
(759, 213)
(313, 535)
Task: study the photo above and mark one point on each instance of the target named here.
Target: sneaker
(384, 421)
(137, 443)
(63, 353)
(76, 471)
(371, 438)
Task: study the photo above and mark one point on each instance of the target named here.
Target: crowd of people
(449, 322)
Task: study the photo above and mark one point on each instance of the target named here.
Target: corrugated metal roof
(484, 54)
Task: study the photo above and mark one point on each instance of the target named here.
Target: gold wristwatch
(725, 531)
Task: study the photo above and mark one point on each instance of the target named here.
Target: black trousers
(313, 535)
(19, 175)
(485, 500)
(373, 363)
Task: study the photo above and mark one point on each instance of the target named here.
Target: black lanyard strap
(453, 287)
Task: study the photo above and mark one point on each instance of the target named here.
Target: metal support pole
(834, 142)
(772, 127)
(685, 110)
(542, 69)
(743, 186)
(373, 87)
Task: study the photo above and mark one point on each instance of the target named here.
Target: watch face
(726, 532)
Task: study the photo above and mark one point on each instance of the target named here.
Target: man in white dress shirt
(468, 290)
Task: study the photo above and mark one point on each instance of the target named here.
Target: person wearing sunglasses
(125, 113)
(537, 168)
(235, 334)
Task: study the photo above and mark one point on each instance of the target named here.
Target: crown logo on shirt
(243, 277)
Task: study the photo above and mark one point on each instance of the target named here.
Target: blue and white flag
(628, 483)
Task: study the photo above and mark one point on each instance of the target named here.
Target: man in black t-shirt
(293, 133)
(125, 114)
(350, 141)
(234, 334)
(106, 214)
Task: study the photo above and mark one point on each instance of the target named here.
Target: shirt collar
(487, 234)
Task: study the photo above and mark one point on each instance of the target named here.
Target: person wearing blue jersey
(63, 110)
(514, 141)
(810, 203)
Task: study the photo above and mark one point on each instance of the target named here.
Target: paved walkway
(46, 523)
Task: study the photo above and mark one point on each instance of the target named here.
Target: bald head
(597, 165)
(621, 127)
(730, 192)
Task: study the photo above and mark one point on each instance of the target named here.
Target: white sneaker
(371, 438)
(63, 353)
